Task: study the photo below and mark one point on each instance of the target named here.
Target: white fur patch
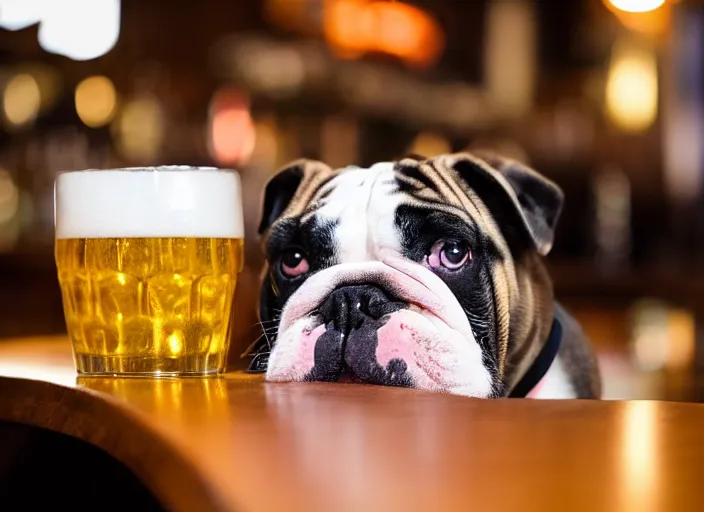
(362, 204)
(556, 383)
(290, 360)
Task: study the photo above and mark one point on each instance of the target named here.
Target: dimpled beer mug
(148, 260)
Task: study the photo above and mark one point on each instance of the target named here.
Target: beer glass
(148, 260)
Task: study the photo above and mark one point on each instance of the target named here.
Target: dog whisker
(266, 336)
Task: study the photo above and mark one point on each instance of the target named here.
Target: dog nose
(352, 315)
(348, 307)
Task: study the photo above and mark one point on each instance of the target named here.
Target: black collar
(542, 363)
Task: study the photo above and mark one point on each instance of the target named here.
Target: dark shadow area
(41, 469)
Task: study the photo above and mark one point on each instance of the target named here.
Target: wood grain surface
(236, 443)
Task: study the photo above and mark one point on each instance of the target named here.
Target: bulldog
(423, 273)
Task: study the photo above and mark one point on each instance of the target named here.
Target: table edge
(97, 419)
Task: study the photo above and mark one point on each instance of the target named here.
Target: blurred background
(606, 97)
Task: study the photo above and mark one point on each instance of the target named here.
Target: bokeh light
(19, 14)
(651, 22)
(683, 339)
(231, 137)
(429, 144)
(650, 336)
(632, 88)
(9, 197)
(10, 214)
(139, 129)
(79, 29)
(21, 100)
(662, 336)
(636, 5)
(96, 101)
(355, 27)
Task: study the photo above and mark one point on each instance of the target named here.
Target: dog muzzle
(388, 322)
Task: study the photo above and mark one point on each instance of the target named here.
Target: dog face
(414, 273)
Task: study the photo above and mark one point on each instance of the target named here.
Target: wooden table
(236, 443)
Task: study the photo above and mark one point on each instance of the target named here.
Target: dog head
(419, 273)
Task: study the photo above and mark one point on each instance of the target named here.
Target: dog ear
(523, 201)
(286, 185)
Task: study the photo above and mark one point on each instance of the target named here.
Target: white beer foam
(167, 201)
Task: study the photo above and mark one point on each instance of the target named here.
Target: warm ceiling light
(355, 27)
(21, 100)
(636, 5)
(80, 29)
(408, 32)
(96, 101)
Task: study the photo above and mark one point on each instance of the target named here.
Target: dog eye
(294, 263)
(450, 255)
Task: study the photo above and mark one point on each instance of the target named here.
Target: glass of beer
(148, 260)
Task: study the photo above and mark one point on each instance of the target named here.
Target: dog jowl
(419, 273)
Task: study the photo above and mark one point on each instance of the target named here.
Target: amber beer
(148, 260)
